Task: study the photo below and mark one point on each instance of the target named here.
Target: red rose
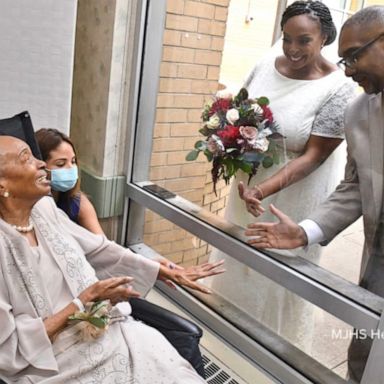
(229, 135)
(267, 113)
(220, 105)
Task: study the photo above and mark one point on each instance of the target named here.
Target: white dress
(301, 108)
(38, 281)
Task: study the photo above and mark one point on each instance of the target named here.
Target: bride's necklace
(25, 229)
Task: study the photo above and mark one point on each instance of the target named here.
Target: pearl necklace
(27, 228)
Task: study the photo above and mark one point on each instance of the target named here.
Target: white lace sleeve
(329, 121)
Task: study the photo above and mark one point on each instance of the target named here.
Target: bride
(308, 95)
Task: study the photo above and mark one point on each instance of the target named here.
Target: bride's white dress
(301, 108)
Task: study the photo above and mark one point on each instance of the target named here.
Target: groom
(361, 46)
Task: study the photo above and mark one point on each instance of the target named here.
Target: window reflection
(202, 51)
(205, 50)
(308, 333)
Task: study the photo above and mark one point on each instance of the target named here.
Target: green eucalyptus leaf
(99, 322)
(80, 316)
(263, 101)
(191, 156)
(267, 162)
(200, 145)
(208, 154)
(246, 167)
(229, 168)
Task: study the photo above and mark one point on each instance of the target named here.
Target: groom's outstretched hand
(285, 234)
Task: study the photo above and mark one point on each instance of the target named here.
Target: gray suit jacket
(361, 191)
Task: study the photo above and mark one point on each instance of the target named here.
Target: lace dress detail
(329, 122)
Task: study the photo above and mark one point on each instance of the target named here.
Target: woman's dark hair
(48, 139)
(316, 10)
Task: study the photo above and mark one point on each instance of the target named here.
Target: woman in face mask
(59, 154)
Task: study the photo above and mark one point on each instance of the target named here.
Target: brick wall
(190, 69)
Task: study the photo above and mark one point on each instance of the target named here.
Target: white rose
(232, 115)
(224, 94)
(267, 132)
(261, 144)
(213, 122)
(248, 132)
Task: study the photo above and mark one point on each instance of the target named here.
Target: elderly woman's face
(302, 41)
(21, 174)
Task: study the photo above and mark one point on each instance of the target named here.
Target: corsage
(94, 320)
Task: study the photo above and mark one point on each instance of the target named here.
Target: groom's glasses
(351, 60)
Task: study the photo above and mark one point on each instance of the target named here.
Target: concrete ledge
(106, 193)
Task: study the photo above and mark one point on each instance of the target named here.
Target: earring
(6, 194)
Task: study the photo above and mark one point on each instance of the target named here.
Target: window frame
(149, 52)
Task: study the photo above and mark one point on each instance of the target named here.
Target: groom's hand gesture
(285, 234)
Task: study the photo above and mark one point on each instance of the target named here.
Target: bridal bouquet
(240, 134)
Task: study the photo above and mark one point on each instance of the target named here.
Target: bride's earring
(6, 194)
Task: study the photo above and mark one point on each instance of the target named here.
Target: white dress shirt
(313, 231)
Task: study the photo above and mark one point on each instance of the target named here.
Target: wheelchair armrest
(159, 317)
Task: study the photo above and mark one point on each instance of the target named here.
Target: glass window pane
(206, 50)
(202, 52)
(291, 327)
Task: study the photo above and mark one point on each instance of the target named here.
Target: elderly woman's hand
(115, 289)
(252, 198)
(189, 275)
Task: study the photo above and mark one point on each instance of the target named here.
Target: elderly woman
(50, 269)
(59, 154)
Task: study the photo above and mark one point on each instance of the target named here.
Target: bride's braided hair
(318, 11)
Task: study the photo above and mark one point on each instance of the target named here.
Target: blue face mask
(64, 179)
